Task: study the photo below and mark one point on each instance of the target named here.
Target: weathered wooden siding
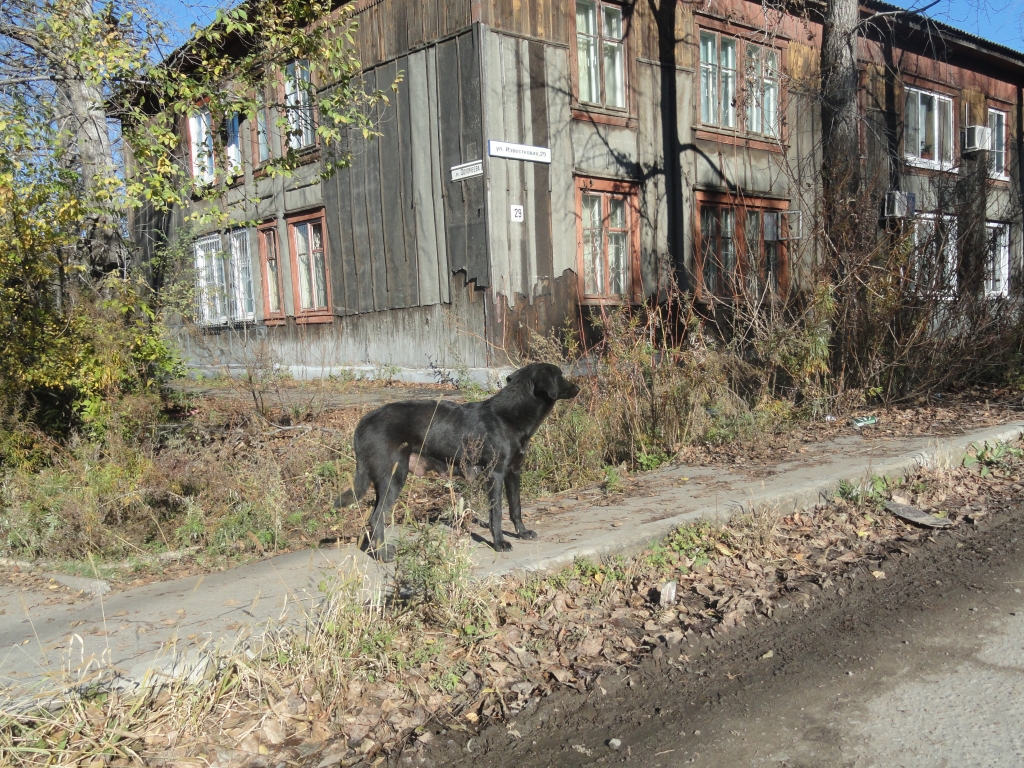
(388, 29)
(394, 240)
(447, 335)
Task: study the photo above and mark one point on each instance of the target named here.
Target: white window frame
(200, 130)
(997, 261)
(915, 159)
(997, 167)
(224, 288)
(298, 93)
(211, 280)
(950, 251)
(233, 146)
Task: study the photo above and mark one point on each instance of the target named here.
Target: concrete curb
(97, 587)
(630, 543)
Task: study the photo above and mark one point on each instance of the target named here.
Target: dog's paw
(385, 554)
(502, 546)
(525, 534)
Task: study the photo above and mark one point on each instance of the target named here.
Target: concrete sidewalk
(158, 629)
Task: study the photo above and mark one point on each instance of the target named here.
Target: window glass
(771, 94)
(614, 58)
(708, 79)
(754, 89)
(586, 51)
(273, 276)
(997, 153)
(312, 267)
(262, 137)
(593, 270)
(728, 82)
(201, 138)
(233, 148)
(243, 303)
(299, 98)
(211, 280)
(936, 264)
(618, 245)
(741, 249)
(928, 128)
(997, 267)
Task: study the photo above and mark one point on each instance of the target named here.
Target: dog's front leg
(515, 510)
(500, 545)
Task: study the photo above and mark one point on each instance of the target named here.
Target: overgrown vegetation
(370, 672)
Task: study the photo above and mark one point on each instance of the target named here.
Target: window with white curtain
(601, 53)
(224, 288)
(720, 81)
(310, 264)
(717, 80)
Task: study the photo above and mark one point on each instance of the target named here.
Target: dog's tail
(360, 484)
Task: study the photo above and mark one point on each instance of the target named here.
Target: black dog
(489, 436)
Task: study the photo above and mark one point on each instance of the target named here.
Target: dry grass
(365, 675)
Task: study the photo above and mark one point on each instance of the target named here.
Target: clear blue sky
(997, 20)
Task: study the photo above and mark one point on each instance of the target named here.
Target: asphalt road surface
(924, 669)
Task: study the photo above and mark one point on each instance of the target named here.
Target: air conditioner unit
(900, 205)
(977, 137)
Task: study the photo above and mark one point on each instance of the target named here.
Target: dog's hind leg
(388, 490)
(494, 492)
(515, 509)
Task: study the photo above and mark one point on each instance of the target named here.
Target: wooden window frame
(1000, 229)
(740, 204)
(634, 285)
(325, 315)
(270, 317)
(602, 113)
(740, 135)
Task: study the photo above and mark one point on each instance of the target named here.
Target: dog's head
(546, 380)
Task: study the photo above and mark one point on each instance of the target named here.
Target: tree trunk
(840, 168)
(840, 145)
(89, 140)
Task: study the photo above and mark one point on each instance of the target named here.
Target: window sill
(603, 116)
(306, 155)
(274, 320)
(738, 139)
(928, 165)
(999, 177)
(310, 319)
(604, 301)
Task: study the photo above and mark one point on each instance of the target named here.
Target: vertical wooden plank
(472, 147)
(541, 197)
(362, 251)
(451, 154)
(437, 171)
(374, 213)
(563, 188)
(410, 268)
(422, 187)
(497, 168)
(527, 257)
(391, 198)
(512, 102)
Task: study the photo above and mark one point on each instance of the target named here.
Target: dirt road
(923, 668)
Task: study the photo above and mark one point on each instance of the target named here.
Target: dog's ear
(545, 383)
(508, 379)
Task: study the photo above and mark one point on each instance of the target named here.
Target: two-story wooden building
(542, 157)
